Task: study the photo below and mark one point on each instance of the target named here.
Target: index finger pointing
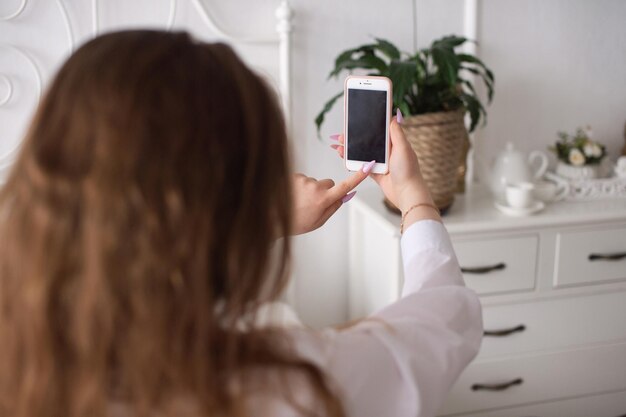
(344, 187)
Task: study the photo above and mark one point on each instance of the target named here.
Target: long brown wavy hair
(136, 238)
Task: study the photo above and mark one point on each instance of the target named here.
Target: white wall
(558, 64)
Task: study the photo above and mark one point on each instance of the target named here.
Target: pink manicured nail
(399, 117)
(368, 167)
(348, 197)
(335, 136)
(334, 146)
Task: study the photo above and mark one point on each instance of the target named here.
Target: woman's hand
(403, 185)
(316, 200)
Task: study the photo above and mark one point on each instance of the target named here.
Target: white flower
(596, 151)
(576, 157)
(592, 150)
(588, 132)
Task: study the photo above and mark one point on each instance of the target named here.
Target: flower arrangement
(579, 149)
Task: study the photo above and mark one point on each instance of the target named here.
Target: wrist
(417, 212)
(413, 193)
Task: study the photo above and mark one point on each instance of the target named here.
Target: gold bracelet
(432, 206)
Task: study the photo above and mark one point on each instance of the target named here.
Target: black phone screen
(367, 118)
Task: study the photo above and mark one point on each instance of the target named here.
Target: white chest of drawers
(553, 289)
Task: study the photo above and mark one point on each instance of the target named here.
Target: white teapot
(512, 166)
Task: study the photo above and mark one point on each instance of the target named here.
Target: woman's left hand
(314, 201)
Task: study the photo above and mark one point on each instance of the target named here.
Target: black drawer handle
(497, 387)
(484, 269)
(607, 256)
(505, 332)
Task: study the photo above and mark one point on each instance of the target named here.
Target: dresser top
(474, 212)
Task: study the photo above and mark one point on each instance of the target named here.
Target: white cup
(519, 194)
(620, 167)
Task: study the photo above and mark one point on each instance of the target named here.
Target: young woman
(141, 228)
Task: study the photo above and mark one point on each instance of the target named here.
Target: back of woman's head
(136, 233)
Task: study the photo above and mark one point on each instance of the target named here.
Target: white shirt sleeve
(403, 360)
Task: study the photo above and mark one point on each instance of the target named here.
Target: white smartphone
(367, 113)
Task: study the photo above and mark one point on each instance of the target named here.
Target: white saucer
(536, 207)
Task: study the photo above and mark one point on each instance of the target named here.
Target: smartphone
(367, 113)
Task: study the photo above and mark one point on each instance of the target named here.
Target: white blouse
(403, 361)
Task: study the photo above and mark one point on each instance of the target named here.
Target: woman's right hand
(403, 185)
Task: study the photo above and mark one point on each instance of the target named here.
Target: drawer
(590, 257)
(609, 405)
(559, 375)
(495, 266)
(553, 324)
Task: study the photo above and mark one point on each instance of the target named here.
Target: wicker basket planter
(439, 140)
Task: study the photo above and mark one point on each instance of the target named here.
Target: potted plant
(434, 90)
(579, 156)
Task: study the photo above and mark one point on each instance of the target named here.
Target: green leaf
(347, 55)
(365, 61)
(403, 75)
(371, 61)
(475, 109)
(422, 70)
(473, 60)
(469, 85)
(447, 65)
(404, 108)
(488, 83)
(473, 94)
(470, 58)
(489, 86)
(450, 41)
(344, 56)
(387, 48)
(329, 105)
(490, 75)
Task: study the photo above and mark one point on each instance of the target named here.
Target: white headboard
(36, 37)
